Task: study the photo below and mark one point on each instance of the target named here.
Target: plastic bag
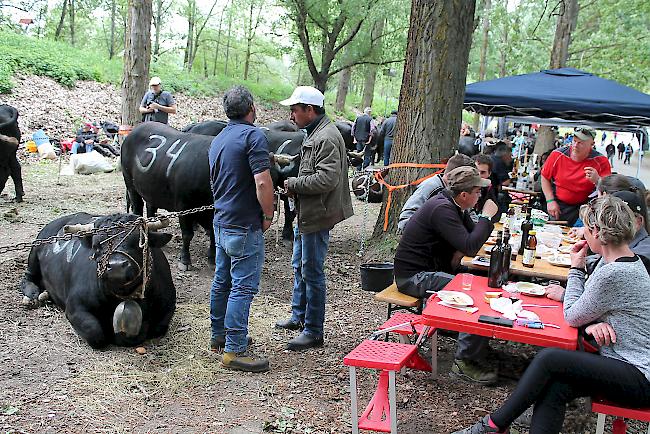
(87, 164)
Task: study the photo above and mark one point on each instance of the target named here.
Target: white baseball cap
(305, 95)
(155, 81)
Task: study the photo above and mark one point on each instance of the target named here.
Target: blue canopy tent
(564, 96)
(565, 93)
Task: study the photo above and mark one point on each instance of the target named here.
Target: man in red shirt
(571, 173)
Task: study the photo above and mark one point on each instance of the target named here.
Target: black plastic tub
(376, 276)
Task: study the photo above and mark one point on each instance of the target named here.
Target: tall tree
(195, 29)
(325, 28)
(218, 42)
(72, 12)
(487, 6)
(137, 55)
(342, 89)
(59, 27)
(161, 10)
(252, 24)
(376, 46)
(433, 88)
(111, 46)
(566, 23)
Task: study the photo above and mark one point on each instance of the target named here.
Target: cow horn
(162, 223)
(73, 229)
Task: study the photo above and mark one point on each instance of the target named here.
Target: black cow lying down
(111, 308)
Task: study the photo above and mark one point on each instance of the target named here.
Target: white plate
(456, 298)
(565, 249)
(560, 260)
(533, 289)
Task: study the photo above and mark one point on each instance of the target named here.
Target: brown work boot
(244, 362)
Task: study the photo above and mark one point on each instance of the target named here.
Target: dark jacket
(434, 233)
(323, 192)
(362, 128)
(388, 128)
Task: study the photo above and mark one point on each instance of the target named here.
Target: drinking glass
(467, 281)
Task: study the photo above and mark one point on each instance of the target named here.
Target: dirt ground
(51, 381)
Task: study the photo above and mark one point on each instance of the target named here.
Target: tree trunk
(218, 44)
(189, 43)
(225, 68)
(137, 54)
(566, 23)
(157, 23)
(111, 47)
(342, 90)
(197, 34)
(504, 50)
(205, 62)
(59, 28)
(431, 97)
(371, 70)
(249, 40)
(71, 11)
(484, 47)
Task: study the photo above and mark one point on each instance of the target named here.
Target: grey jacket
(322, 189)
(426, 190)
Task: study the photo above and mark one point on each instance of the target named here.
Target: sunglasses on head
(588, 131)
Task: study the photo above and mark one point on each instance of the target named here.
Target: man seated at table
(501, 168)
(570, 175)
(429, 188)
(484, 165)
(438, 235)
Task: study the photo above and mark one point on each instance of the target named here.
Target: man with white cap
(157, 104)
(322, 196)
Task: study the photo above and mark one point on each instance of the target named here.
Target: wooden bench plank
(393, 296)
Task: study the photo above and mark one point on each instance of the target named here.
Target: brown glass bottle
(528, 260)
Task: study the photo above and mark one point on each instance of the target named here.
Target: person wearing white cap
(157, 104)
(322, 195)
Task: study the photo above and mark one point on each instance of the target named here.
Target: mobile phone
(495, 320)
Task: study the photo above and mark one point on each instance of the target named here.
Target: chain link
(102, 230)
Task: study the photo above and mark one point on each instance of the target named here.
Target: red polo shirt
(568, 176)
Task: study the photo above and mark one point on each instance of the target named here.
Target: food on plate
(455, 298)
(565, 249)
(560, 260)
(533, 289)
(491, 294)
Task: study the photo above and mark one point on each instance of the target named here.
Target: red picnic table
(441, 317)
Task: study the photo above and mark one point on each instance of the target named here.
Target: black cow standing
(9, 139)
(113, 308)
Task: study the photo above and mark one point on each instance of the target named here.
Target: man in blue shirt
(243, 209)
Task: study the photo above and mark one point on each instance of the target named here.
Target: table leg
(434, 354)
(600, 424)
(353, 398)
(392, 402)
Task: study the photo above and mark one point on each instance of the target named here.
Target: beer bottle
(507, 251)
(528, 259)
(526, 226)
(496, 263)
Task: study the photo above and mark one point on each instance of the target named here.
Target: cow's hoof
(185, 267)
(43, 296)
(28, 302)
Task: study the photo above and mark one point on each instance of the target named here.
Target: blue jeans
(308, 261)
(239, 261)
(388, 144)
(85, 148)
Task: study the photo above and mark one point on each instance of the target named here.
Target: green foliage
(611, 40)
(41, 57)
(6, 83)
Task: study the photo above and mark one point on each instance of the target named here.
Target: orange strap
(379, 177)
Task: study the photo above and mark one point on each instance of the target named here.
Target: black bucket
(376, 276)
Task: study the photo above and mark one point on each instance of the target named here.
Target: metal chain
(362, 240)
(102, 230)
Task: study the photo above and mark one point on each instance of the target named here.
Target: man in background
(388, 131)
(362, 135)
(157, 104)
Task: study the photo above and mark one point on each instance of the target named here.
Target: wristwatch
(267, 218)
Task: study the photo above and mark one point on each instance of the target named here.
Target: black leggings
(556, 377)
